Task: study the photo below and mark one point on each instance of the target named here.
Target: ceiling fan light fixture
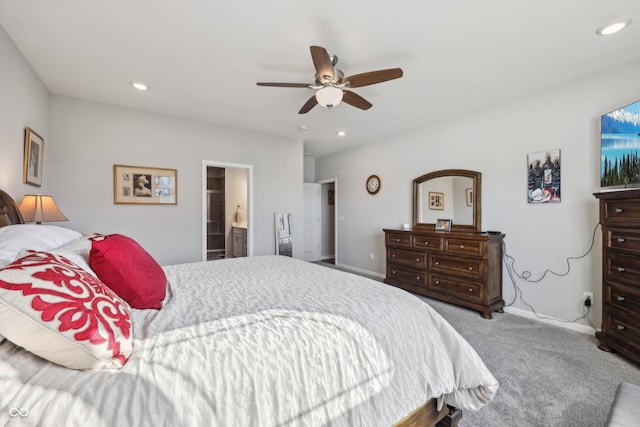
(329, 96)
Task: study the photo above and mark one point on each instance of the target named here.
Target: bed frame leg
(451, 419)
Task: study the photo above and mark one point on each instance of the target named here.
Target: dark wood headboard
(9, 213)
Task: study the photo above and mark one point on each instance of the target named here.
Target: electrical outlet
(586, 295)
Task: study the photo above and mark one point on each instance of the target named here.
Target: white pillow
(53, 308)
(76, 251)
(14, 238)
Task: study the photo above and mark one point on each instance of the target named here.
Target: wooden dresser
(620, 222)
(458, 267)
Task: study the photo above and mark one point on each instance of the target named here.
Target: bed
(257, 341)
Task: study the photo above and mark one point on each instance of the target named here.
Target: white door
(312, 226)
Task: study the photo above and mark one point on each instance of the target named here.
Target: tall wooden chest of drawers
(620, 222)
(460, 268)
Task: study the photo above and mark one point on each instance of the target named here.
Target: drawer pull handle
(437, 263)
(618, 210)
(620, 269)
(470, 268)
(620, 298)
(461, 246)
(417, 277)
(470, 289)
(620, 240)
(393, 272)
(417, 259)
(426, 243)
(393, 255)
(620, 327)
(397, 240)
(437, 282)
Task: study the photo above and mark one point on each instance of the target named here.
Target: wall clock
(373, 184)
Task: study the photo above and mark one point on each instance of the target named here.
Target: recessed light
(139, 86)
(341, 133)
(613, 27)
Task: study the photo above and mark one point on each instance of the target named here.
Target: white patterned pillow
(55, 309)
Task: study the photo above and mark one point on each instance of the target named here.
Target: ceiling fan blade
(356, 100)
(283, 84)
(312, 102)
(322, 62)
(373, 77)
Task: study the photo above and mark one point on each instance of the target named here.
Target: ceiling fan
(331, 85)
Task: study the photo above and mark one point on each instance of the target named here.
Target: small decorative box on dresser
(457, 267)
(620, 222)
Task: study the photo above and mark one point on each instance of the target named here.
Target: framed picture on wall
(144, 185)
(33, 157)
(436, 200)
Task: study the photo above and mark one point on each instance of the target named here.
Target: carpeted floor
(548, 375)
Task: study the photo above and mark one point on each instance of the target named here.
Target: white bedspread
(260, 341)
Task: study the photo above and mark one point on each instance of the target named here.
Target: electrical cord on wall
(525, 275)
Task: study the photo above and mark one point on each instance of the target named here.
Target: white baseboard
(567, 325)
(361, 271)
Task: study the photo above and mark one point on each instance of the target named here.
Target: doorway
(328, 226)
(227, 210)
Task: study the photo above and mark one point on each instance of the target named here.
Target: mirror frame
(477, 199)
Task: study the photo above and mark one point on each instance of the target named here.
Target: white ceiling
(202, 58)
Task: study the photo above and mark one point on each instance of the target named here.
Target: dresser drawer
(463, 247)
(399, 239)
(623, 328)
(620, 268)
(621, 297)
(623, 240)
(427, 242)
(466, 289)
(417, 260)
(396, 272)
(622, 211)
(466, 266)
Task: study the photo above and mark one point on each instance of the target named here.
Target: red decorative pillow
(123, 265)
(55, 309)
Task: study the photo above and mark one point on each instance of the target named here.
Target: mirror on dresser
(462, 265)
(453, 194)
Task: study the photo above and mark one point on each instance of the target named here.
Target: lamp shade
(40, 208)
(329, 96)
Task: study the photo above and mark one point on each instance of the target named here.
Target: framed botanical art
(436, 200)
(144, 185)
(33, 157)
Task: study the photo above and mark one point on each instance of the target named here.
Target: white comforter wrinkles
(260, 341)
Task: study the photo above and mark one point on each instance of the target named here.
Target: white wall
(24, 102)
(496, 141)
(91, 137)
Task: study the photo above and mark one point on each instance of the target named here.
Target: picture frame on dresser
(33, 157)
(443, 225)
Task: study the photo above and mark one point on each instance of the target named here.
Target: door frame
(216, 164)
(335, 214)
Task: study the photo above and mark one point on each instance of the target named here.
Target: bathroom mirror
(284, 241)
(452, 194)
